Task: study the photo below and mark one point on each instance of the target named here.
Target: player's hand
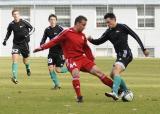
(26, 36)
(4, 43)
(37, 50)
(89, 38)
(146, 52)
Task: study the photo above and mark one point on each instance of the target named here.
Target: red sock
(76, 86)
(107, 81)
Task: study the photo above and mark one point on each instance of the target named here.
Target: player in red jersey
(77, 53)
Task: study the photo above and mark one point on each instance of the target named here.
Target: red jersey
(73, 43)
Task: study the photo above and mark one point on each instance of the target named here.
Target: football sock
(64, 70)
(54, 78)
(123, 85)
(27, 66)
(76, 86)
(116, 83)
(107, 81)
(15, 70)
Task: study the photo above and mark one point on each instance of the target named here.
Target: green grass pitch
(34, 95)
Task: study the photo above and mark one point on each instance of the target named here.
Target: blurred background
(143, 16)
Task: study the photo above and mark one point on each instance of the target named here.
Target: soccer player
(55, 56)
(77, 53)
(22, 31)
(117, 34)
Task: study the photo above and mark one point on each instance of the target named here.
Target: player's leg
(15, 56)
(61, 69)
(53, 75)
(104, 78)
(24, 50)
(60, 64)
(27, 65)
(15, 68)
(117, 69)
(118, 82)
(73, 68)
(76, 84)
(123, 85)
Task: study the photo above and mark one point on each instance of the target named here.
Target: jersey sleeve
(57, 40)
(44, 38)
(100, 40)
(88, 51)
(30, 27)
(134, 35)
(61, 28)
(9, 31)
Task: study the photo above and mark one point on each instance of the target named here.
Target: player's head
(80, 23)
(16, 14)
(52, 19)
(110, 20)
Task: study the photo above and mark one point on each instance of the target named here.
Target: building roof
(78, 2)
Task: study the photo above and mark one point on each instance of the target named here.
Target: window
(151, 52)
(24, 12)
(104, 52)
(63, 15)
(145, 16)
(100, 12)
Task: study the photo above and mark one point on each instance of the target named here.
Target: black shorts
(124, 58)
(21, 48)
(56, 59)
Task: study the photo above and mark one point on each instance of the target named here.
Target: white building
(143, 16)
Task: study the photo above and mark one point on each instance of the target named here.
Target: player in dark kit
(22, 31)
(117, 34)
(55, 56)
(77, 53)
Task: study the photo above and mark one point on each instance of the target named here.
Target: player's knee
(111, 75)
(75, 73)
(58, 70)
(50, 68)
(99, 73)
(115, 72)
(75, 76)
(96, 71)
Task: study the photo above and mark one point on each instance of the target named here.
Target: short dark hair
(15, 10)
(52, 15)
(109, 15)
(79, 19)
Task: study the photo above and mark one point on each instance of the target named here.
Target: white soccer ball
(128, 96)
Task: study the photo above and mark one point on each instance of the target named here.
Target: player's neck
(75, 29)
(16, 20)
(114, 25)
(52, 26)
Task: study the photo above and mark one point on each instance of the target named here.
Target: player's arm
(30, 27)
(58, 39)
(44, 38)
(136, 37)
(88, 51)
(9, 31)
(100, 40)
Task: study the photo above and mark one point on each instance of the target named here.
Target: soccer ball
(128, 96)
